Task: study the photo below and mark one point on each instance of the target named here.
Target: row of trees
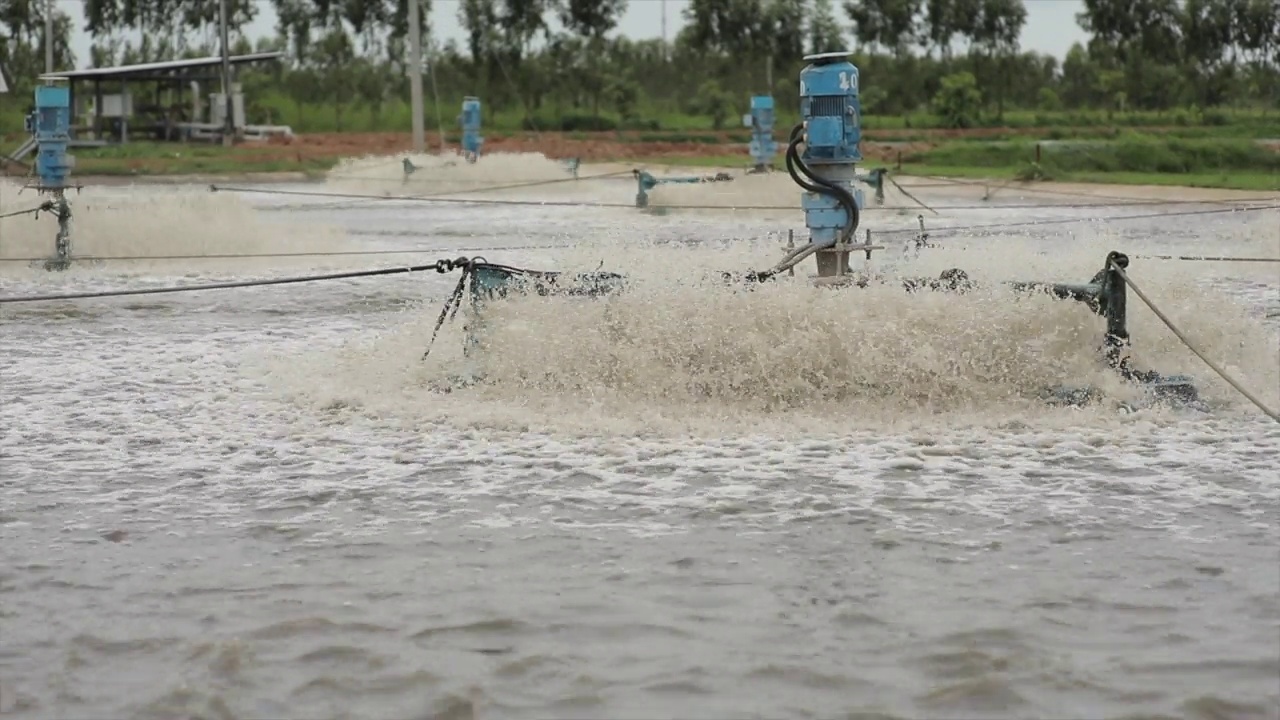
(563, 58)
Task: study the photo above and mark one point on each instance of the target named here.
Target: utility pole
(664, 29)
(48, 36)
(435, 94)
(228, 124)
(415, 75)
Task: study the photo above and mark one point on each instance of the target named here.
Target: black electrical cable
(842, 194)
(821, 185)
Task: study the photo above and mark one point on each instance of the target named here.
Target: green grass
(1257, 182)
(1136, 160)
(276, 108)
(1132, 159)
(1129, 153)
(153, 158)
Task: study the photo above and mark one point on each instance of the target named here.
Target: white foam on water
(146, 222)
(680, 353)
(188, 529)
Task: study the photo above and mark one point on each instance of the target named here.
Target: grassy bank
(1131, 160)
(1182, 122)
(652, 126)
(148, 158)
(276, 108)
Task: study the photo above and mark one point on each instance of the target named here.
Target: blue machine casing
(50, 124)
(470, 119)
(832, 114)
(762, 147)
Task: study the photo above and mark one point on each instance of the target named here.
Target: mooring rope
(486, 188)
(440, 266)
(1207, 258)
(946, 182)
(46, 206)
(1065, 221)
(448, 198)
(359, 253)
(953, 182)
(489, 188)
(913, 197)
(416, 198)
(249, 256)
(1191, 346)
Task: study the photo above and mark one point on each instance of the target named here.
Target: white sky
(1051, 26)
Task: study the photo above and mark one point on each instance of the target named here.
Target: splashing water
(680, 353)
(156, 222)
(443, 173)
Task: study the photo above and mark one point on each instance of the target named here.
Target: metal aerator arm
(1105, 294)
(645, 182)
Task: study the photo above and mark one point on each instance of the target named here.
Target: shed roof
(167, 69)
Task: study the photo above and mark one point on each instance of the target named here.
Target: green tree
(995, 39)
(824, 33)
(890, 24)
(591, 20)
(958, 102)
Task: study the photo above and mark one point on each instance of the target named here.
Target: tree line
(561, 59)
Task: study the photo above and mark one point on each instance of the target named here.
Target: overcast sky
(1051, 26)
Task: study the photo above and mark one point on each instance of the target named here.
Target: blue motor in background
(50, 126)
(470, 120)
(760, 121)
(830, 131)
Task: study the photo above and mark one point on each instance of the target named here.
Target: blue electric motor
(827, 169)
(470, 120)
(760, 121)
(50, 124)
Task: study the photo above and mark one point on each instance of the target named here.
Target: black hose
(821, 185)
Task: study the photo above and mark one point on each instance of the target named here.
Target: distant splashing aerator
(470, 122)
(50, 128)
(760, 121)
